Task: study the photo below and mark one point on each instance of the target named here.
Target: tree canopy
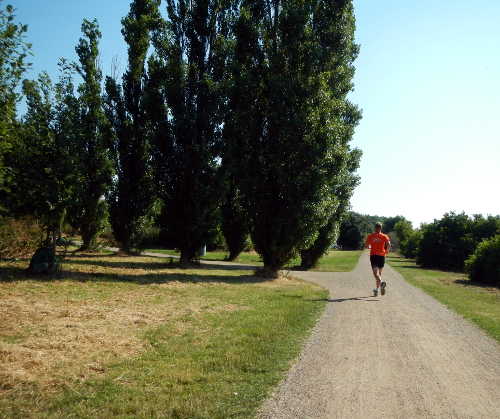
(289, 122)
(240, 110)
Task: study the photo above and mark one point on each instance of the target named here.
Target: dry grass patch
(137, 337)
(79, 325)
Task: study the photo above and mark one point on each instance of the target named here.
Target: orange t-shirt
(377, 242)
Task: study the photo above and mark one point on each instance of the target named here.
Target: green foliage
(447, 243)
(412, 243)
(13, 53)
(484, 264)
(19, 237)
(234, 225)
(329, 233)
(41, 165)
(92, 137)
(408, 238)
(288, 122)
(389, 223)
(353, 231)
(184, 101)
(132, 198)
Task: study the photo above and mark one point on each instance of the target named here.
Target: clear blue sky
(427, 79)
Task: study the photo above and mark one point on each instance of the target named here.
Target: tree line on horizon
(456, 242)
(230, 114)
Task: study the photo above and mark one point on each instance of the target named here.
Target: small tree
(389, 223)
(408, 238)
(41, 168)
(484, 265)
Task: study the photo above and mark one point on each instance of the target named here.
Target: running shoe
(382, 288)
(375, 292)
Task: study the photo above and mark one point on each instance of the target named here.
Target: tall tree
(289, 121)
(329, 233)
(132, 196)
(41, 181)
(13, 54)
(234, 226)
(91, 141)
(184, 111)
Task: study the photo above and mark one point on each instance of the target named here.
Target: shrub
(19, 237)
(449, 242)
(411, 244)
(484, 264)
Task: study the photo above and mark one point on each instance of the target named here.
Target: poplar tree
(92, 137)
(329, 233)
(234, 226)
(132, 197)
(289, 122)
(185, 102)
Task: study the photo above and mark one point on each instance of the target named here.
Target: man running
(379, 245)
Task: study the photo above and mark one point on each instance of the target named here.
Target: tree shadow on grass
(470, 283)
(148, 272)
(396, 264)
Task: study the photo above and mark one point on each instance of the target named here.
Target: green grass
(246, 258)
(334, 261)
(479, 304)
(338, 261)
(137, 337)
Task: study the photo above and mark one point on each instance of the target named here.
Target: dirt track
(402, 355)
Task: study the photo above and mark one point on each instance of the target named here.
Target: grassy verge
(334, 261)
(137, 337)
(339, 261)
(479, 304)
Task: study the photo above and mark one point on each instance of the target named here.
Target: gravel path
(402, 355)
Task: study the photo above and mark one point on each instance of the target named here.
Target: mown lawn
(479, 304)
(138, 337)
(334, 261)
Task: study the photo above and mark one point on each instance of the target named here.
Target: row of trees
(239, 113)
(355, 227)
(456, 242)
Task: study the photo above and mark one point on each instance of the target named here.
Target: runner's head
(378, 226)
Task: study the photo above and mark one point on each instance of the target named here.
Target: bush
(19, 237)
(484, 264)
(409, 239)
(449, 242)
(409, 249)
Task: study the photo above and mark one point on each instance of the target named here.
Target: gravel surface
(402, 355)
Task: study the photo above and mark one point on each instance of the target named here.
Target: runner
(379, 245)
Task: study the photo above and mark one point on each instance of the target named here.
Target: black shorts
(377, 261)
